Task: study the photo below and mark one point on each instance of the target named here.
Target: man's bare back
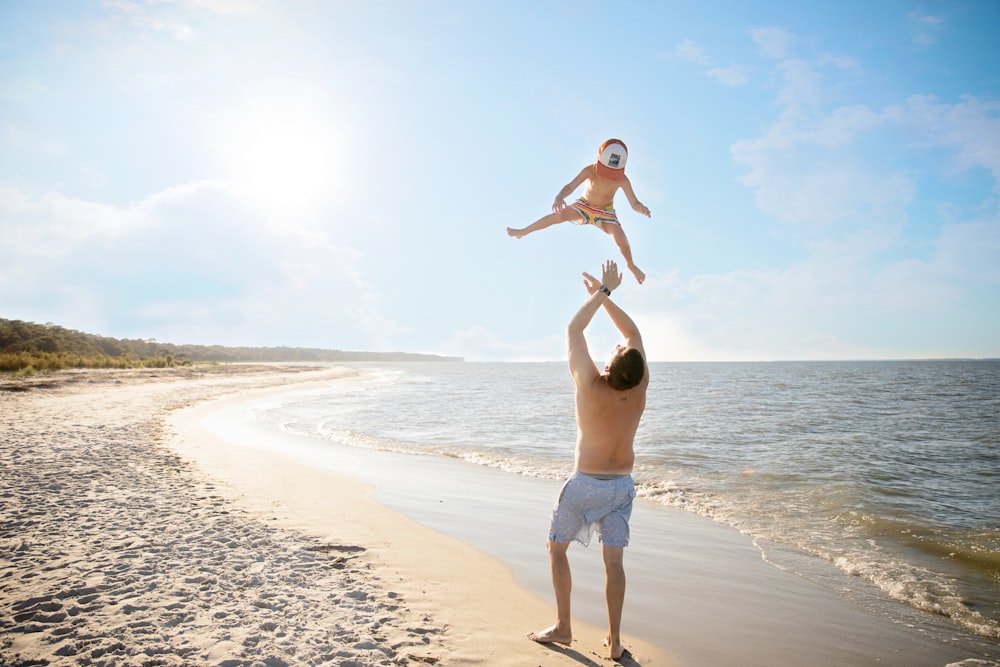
(607, 420)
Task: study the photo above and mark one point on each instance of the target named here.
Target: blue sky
(823, 176)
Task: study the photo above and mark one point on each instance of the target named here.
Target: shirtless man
(596, 207)
(598, 496)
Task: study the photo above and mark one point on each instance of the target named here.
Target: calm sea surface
(888, 470)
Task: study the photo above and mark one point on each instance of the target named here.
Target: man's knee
(557, 548)
(613, 557)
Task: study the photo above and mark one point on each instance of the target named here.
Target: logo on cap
(611, 161)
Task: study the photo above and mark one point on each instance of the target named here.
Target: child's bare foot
(639, 275)
(552, 635)
(516, 233)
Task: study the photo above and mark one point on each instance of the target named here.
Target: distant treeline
(26, 347)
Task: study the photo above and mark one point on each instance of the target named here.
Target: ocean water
(889, 471)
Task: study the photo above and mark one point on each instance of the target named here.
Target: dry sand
(129, 535)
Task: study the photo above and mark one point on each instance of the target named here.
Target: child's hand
(558, 205)
(643, 209)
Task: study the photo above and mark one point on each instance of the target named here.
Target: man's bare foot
(615, 649)
(516, 233)
(552, 635)
(639, 275)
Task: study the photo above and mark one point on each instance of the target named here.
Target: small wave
(506, 463)
(919, 588)
(851, 550)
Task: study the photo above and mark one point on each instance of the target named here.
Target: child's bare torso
(600, 191)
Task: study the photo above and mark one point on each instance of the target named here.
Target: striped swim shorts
(593, 215)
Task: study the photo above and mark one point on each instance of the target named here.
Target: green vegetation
(27, 348)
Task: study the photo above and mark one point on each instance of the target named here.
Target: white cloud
(688, 51)
(926, 28)
(812, 167)
(820, 306)
(49, 226)
(734, 75)
(750, 315)
(773, 42)
(841, 62)
(191, 263)
(144, 19)
(230, 7)
(971, 251)
(802, 86)
(970, 127)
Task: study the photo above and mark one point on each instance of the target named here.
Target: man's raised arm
(581, 366)
(619, 317)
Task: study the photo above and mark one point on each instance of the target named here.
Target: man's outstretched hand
(610, 278)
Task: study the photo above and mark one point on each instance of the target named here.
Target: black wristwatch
(604, 288)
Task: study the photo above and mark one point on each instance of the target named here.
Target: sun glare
(284, 156)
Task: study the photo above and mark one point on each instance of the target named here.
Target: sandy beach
(141, 524)
(125, 541)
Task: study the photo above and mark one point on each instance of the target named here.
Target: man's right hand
(610, 278)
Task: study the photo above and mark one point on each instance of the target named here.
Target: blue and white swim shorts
(587, 505)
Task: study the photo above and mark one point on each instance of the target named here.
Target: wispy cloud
(773, 42)
(971, 128)
(925, 28)
(232, 7)
(142, 17)
(688, 51)
(734, 75)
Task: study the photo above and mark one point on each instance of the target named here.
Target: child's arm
(568, 189)
(637, 205)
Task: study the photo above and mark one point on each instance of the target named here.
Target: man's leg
(618, 234)
(614, 591)
(553, 218)
(562, 584)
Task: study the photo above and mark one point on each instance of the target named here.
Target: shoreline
(144, 525)
(702, 592)
(475, 597)
(119, 548)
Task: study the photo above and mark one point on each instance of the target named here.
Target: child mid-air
(596, 207)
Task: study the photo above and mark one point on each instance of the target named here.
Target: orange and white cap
(611, 159)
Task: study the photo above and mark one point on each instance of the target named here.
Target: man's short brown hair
(626, 370)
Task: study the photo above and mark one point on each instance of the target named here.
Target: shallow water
(887, 470)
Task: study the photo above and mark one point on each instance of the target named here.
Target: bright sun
(283, 155)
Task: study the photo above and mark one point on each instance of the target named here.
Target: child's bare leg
(618, 234)
(553, 218)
